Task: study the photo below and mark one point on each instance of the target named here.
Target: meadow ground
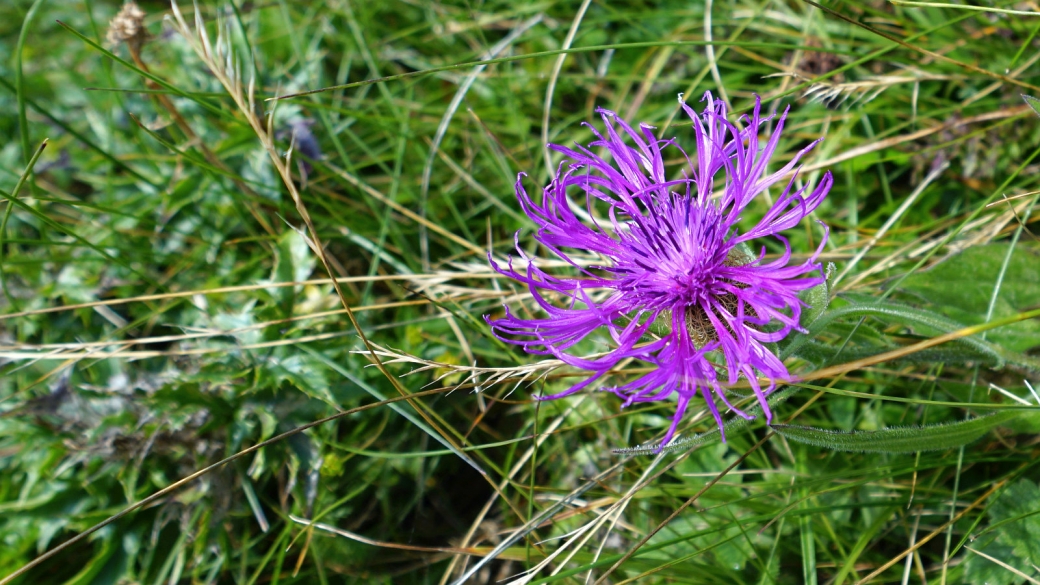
(166, 302)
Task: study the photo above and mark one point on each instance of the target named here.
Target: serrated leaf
(978, 569)
(1013, 536)
(1016, 510)
(899, 439)
(285, 271)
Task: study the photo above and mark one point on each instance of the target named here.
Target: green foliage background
(142, 337)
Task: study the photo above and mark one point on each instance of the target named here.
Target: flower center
(698, 325)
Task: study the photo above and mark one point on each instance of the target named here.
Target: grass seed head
(128, 27)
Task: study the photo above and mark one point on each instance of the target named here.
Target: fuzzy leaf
(822, 354)
(899, 439)
(928, 322)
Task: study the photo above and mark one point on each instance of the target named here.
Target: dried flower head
(128, 26)
(674, 257)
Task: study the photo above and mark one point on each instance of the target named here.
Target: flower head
(674, 255)
(128, 26)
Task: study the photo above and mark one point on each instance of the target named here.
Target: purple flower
(680, 288)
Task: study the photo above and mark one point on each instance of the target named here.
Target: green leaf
(1013, 536)
(1032, 102)
(1017, 511)
(926, 321)
(899, 439)
(962, 286)
(285, 271)
(978, 569)
(818, 298)
(823, 354)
